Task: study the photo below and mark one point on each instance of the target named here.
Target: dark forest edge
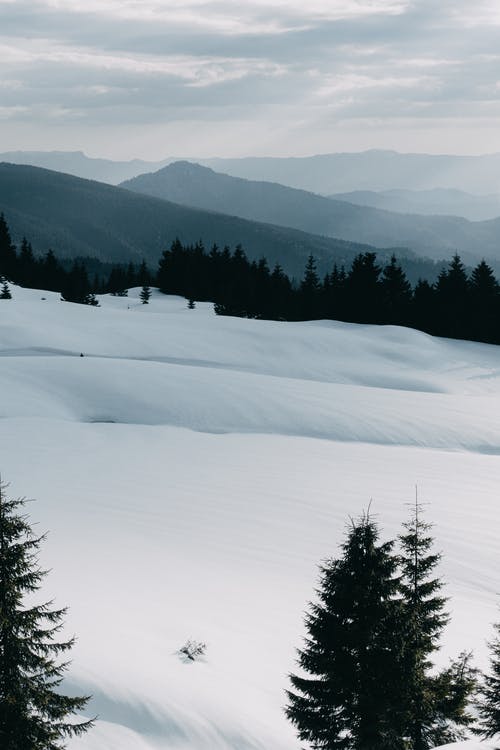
(458, 305)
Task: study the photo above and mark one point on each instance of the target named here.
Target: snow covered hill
(193, 470)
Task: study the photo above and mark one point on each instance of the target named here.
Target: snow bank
(193, 470)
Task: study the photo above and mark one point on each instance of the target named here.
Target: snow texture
(193, 470)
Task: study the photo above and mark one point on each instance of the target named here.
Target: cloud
(294, 70)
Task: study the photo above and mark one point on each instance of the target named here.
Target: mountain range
(433, 236)
(370, 170)
(324, 173)
(438, 201)
(77, 217)
(80, 165)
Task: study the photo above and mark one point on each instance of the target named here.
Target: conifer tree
(34, 714)
(452, 296)
(5, 291)
(489, 704)
(423, 315)
(363, 289)
(309, 297)
(346, 701)
(145, 294)
(396, 294)
(485, 304)
(433, 707)
(423, 620)
(8, 257)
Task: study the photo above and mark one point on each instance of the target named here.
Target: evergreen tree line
(72, 280)
(367, 680)
(458, 305)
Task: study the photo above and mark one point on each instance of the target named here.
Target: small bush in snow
(192, 650)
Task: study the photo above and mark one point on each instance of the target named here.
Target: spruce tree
(5, 291)
(347, 699)
(309, 294)
(489, 704)
(433, 707)
(145, 294)
(452, 298)
(396, 294)
(34, 714)
(423, 621)
(8, 256)
(485, 304)
(363, 290)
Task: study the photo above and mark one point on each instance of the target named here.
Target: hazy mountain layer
(80, 165)
(80, 217)
(370, 170)
(323, 173)
(433, 236)
(439, 201)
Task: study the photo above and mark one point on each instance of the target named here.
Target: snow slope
(193, 470)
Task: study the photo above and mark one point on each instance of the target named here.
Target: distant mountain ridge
(431, 236)
(369, 170)
(373, 170)
(77, 217)
(78, 164)
(435, 202)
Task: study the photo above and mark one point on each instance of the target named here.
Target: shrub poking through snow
(192, 650)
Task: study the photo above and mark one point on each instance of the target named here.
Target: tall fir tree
(489, 703)
(309, 293)
(396, 294)
(5, 292)
(433, 706)
(452, 301)
(8, 256)
(423, 621)
(34, 714)
(485, 304)
(145, 294)
(344, 703)
(364, 290)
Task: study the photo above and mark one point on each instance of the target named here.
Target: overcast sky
(157, 78)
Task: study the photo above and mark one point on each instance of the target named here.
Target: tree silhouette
(342, 703)
(34, 714)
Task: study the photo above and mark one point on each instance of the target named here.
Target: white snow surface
(193, 470)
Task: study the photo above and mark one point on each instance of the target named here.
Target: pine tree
(27, 265)
(452, 297)
(423, 621)
(8, 256)
(489, 704)
(364, 290)
(485, 304)
(34, 715)
(5, 291)
(396, 294)
(351, 651)
(145, 294)
(423, 310)
(433, 707)
(191, 304)
(309, 295)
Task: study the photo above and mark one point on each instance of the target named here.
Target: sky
(160, 78)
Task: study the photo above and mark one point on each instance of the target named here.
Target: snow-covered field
(193, 470)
